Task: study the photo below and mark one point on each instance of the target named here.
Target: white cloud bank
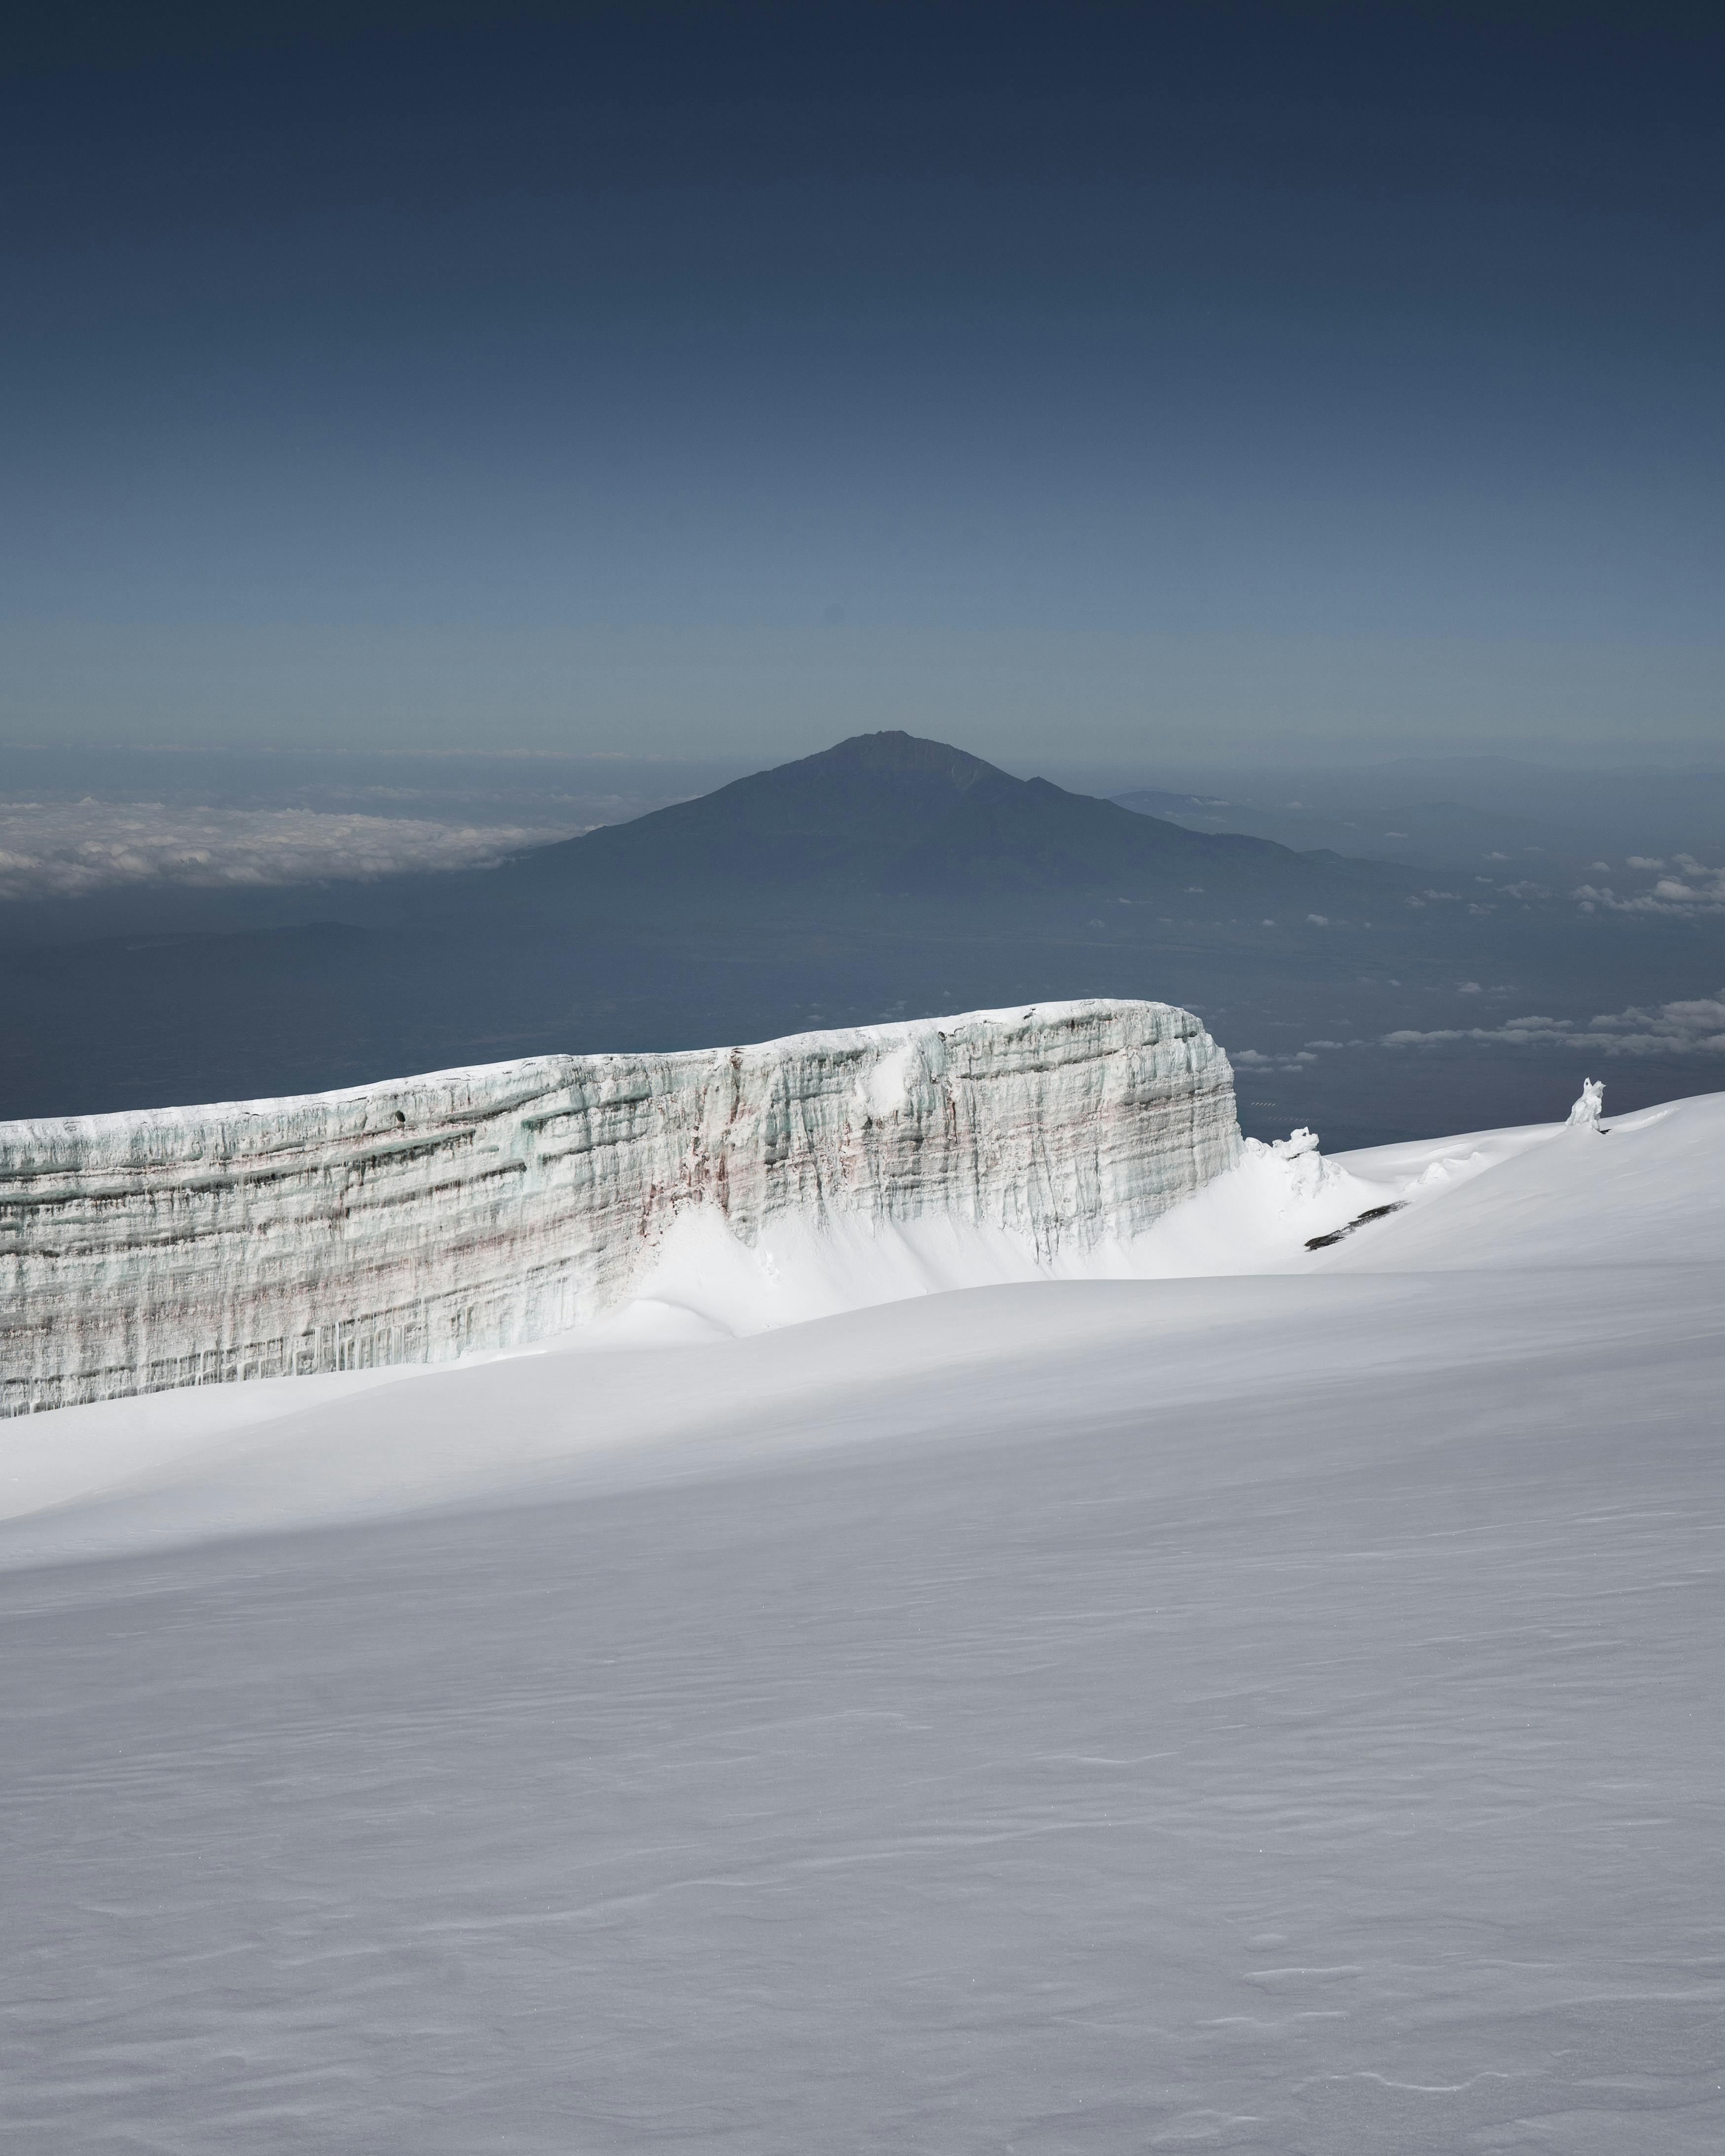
(1697, 889)
(1697, 1027)
(68, 850)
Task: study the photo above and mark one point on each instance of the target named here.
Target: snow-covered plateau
(1267, 1700)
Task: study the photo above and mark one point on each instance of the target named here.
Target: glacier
(422, 1220)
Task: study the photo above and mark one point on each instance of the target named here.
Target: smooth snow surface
(1275, 1708)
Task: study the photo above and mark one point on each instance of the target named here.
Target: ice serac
(419, 1219)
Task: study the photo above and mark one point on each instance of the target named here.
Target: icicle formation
(412, 1221)
(1585, 1115)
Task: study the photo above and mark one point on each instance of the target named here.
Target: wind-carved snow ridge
(420, 1219)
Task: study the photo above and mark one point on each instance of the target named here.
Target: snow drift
(1262, 1714)
(417, 1220)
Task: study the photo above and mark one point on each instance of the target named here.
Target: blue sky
(1123, 382)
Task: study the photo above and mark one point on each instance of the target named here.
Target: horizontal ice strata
(422, 1218)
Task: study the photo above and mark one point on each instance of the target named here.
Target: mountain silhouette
(887, 877)
(891, 816)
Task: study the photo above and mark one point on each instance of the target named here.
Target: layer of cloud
(1697, 1027)
(1695, 890)
(68, 850)
(1250, 1059)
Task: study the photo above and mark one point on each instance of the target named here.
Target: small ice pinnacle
(1584, 1116)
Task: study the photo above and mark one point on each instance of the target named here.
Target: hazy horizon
(436, 431)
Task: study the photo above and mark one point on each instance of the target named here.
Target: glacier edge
(418, 1220)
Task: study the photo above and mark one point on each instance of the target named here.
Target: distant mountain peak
(893, 750)
(892, 816)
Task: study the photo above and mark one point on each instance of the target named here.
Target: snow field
(1268, 1705)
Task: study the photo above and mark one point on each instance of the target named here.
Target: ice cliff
(416, 1221)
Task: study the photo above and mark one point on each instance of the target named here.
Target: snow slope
(1271, 1706)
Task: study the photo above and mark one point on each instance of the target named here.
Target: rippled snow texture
(1277, 1716)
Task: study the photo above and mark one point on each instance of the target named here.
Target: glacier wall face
(415, 1220)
